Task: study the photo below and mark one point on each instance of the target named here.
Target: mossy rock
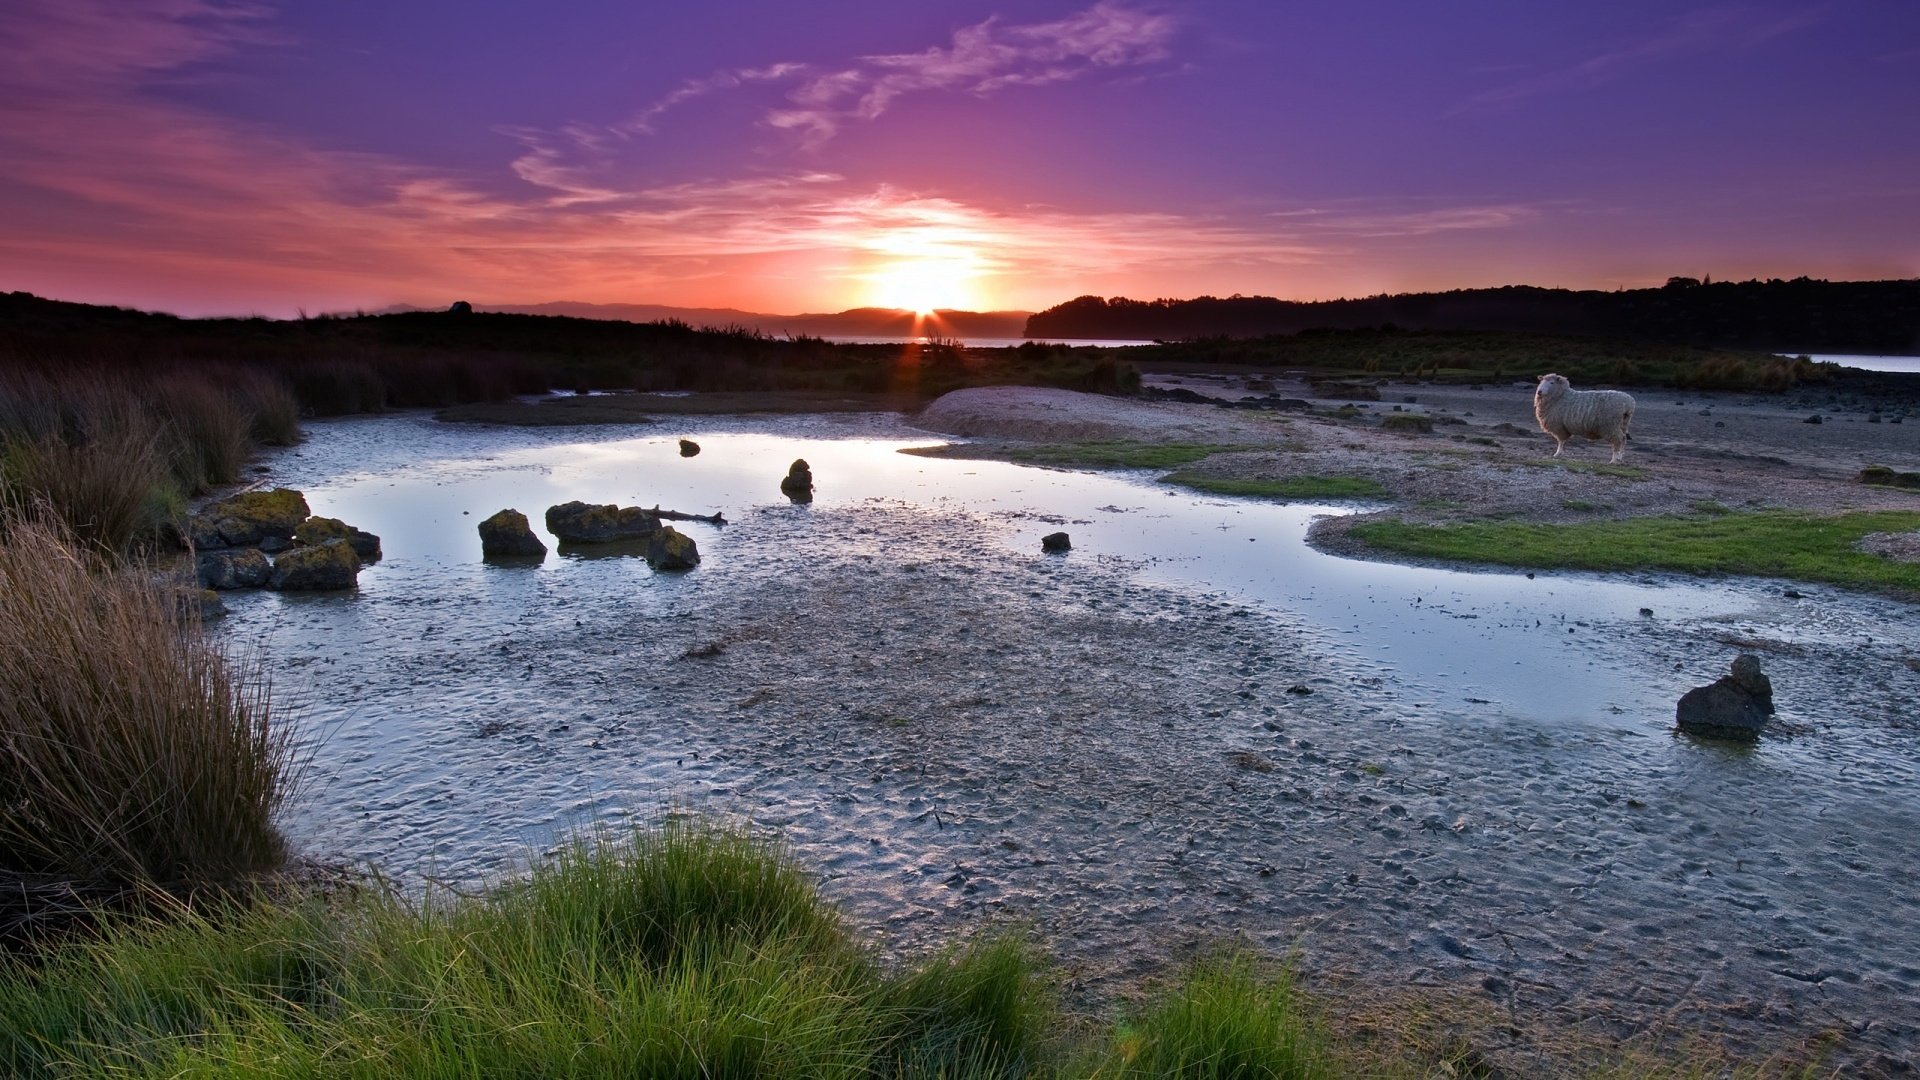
(319, 530)
(1882, 476)
(584, 523)
(508, 535)
(234, 568)
(1409, 423)
(327, 566)
(246, 519)
(670, 549)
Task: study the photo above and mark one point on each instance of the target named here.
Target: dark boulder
(331, 565)
(1734, 707)
(319, 530)
(1056, 542)
(688, 448)
(252, 517)
(798, 484)
(584, 523)
(233, 568)
(508, 535)
(670, 549)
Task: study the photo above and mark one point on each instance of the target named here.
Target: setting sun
(924, 285)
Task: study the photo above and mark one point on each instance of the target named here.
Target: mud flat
(952, 727)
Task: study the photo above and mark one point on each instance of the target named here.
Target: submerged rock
(584, 523)
(798, 484)
(234, 568)
(670, 549)
(508, 535)
(1734, 707)
(1056, 542)
(688, 448)
(318, 530)
(252, 517)
(330, 565)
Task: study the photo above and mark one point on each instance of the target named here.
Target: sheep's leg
(1559, 444)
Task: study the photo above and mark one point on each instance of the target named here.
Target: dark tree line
(1799, 316)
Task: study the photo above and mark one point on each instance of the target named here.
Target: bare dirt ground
(1486, 454)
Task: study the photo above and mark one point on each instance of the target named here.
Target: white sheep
(1563, 412)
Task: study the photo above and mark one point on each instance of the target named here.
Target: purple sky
(206, 156)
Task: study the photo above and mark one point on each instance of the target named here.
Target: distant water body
(1871, 363)
(980, 342)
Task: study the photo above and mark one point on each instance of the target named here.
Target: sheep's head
(1551, 386)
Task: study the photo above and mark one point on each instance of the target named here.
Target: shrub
(130, 751)
(1224, 1020)
(111, 488)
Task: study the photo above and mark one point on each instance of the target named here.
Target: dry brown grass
(131, 751)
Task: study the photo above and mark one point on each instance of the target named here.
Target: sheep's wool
(1566, 413)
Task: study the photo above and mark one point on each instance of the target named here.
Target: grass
(117, 454)
(131, 752)
(1769, 543)
(1288, 487)
(680, 950)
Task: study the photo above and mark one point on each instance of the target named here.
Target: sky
(262, 157)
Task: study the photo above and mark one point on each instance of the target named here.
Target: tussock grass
(131, 751)
(1226, 1019)
(1768, 543)
(1286, 487)
(650, 956)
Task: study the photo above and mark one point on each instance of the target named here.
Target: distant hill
(1799, 316)
(854, 322)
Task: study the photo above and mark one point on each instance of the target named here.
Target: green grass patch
(1768, 543)
(1290, 487)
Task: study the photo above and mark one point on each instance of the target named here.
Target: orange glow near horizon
(923, 286)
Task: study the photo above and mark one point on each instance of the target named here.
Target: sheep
(1601, 415)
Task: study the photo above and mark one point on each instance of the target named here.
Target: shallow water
(905, 686)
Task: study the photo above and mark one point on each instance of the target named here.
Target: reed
(132, 752)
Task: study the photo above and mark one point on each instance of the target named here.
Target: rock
(1056, 542)
(583, 523)
(670, 549)
(247, 519)
(318, 530)
(207, 603)
(508, 535)
(798, 484)
(204, 533)
(1345, 389)
(1412, 423)
(1734, 707)
(324, 566)
(688, 448)
(1814, 419)
(233, 568)
(1885, 477)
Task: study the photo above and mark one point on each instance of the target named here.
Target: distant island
(1803, 315)
(854, 322)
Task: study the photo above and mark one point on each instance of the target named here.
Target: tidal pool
(1192, 725)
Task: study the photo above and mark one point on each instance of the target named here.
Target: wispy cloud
(1733, 26)
(78, 45)
(981, 59)
(137, 188)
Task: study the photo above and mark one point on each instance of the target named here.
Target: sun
(923, 286)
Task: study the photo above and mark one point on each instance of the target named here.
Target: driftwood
(675, 515)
